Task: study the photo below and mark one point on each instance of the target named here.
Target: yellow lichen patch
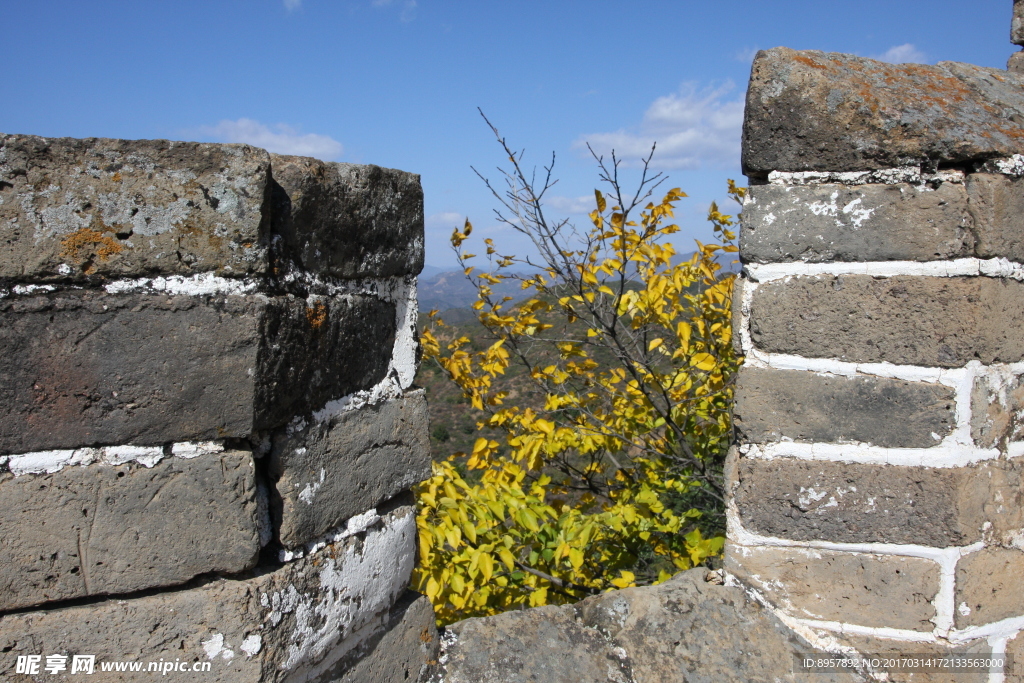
(316, 314)
(116, 177)
(87, 244)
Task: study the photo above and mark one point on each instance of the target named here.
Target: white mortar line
(965, 267)
(998, 645)
(355, 525)
(904, 635)
(942, 456)
(884, 176)
(1005, 628)
(195, 285)
(48, 462)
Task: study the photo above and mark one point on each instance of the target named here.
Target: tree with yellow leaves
(611, 477)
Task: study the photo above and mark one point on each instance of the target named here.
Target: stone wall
(877, 487)
(208, 427)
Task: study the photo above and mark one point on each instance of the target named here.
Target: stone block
(405, 651)
(87, 368)
(817, 111)
(932, 321)
(773, 405)
(289, 623)
(329, 471)
(997, 207)
(817, 223)
(860, 503)
(72, 208)
(1015, 64)
(988, 586)
(104, 530)
(997, 402)
(685, 630)
(885, 648)
(348, 220)
(1017, 24)
(882, 591)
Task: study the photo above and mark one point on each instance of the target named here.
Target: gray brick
(818, 111)
(85, 368)
(933, 321)
(287, 623)
(818, 223)
(73, 208)
(997, 205)
(103, 529)
(861, 503)
(347, 220)
(771, 405)
(853, 588)
(330, 471)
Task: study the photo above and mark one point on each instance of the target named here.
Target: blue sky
(398, 82)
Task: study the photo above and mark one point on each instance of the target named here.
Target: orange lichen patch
(116, 177)
(316, 314)
(86, 243)
(809, 62)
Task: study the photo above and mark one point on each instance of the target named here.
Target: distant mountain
(450, 289)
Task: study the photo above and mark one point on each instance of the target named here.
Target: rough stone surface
(73, 208)
(816, 223)
(85, 368)
(888, 648)
(406, 651)
(1015, 64)
(348, 220)
(1017, 24)
(851, 588)
(818, 111)
(103, 529)
(771, 405)
(997, 402)
(988, 586)
(933, 321)
(684, 630)
(329, 471)
(289, 624)
(857, 503)
(997, 206)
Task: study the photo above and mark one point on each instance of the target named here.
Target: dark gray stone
(1017, 24)
(72, 208)
(86, 368)
(932, 321)
(859, 503)
(997, 205)
(348, 220)
(685, 630)
(818, 111)
(817, 223)
(405, 652)
(283, 624)
(771, 405)
(102, 529)
(329, 471)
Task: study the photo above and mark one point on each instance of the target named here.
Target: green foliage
(613, 477)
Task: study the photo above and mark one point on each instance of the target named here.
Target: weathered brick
(291, 623)
(884, 648)
(997, 402)
(818, 223)
(859, 503)
(103, 529)
(72, 208)
(819, 111)
(86, 368)
(997, 207)
(934, 321)
(329, 471)
(771, 405)
(348, 220)
(853, 588)
(988, 586)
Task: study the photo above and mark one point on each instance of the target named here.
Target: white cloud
(282, 139)
(445, 219)
(576, 205)
(692, 129)
(408, 12)
(902, 54)
(292, 5)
